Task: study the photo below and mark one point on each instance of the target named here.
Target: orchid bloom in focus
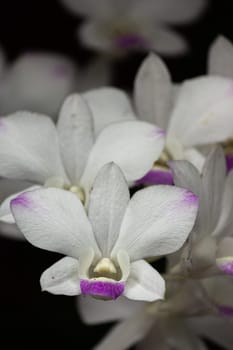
(93, 129)
(106, 248)
(195, 115)
(118, 27)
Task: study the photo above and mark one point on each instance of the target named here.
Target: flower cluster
(70, 161)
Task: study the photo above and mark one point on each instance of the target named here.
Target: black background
(30, 318)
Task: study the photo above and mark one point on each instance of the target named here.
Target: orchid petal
(5, 210)
(62, 277)
(132, 145)
(75, 130)
(87, 8)
(203, 111)
(165, 41)
(24, 156)
(54, 220)
(108, 202)
(11, 231)
(187, 176)
(166, 11)
(152, 91)
(157, 221)
(93, 311)
(224, 226)
(195, 157)
(213, 178)
(220, 57)
(216, 329)
(144, 283)
(108, 105)
(92, 34)
(156, 176)
(118, 339)
(225, 255)
(38, 82)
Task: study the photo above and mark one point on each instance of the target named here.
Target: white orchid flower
(106, 249)
(70, 154)
(179, 321)
(117, 27)
(199, 114)
(210, 248)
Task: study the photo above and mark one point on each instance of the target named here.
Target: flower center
(58, 182)
(104, 281)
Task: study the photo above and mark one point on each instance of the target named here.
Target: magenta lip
(110, 290)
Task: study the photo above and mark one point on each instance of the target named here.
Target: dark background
(30, 318)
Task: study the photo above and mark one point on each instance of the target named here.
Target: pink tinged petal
(220, 57)
(39, 82)
(27, 154)
(62, 277)
(131, 41)
(108, 201)
(75, 129)
(109, 290)
(5, 211)
(225, 265)
(92, 310)
(157, 221)
(153, 91)
(156, 177)
(144, 283)
(54, 220)
(108, 105)
(229, 162)
(203, 111)
(132, 145)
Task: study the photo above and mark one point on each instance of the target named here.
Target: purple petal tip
(226, 267)
(156, 177)
(22, 200)
(190, 198)
(110, 290)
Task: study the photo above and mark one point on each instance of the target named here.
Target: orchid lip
(102, 288)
